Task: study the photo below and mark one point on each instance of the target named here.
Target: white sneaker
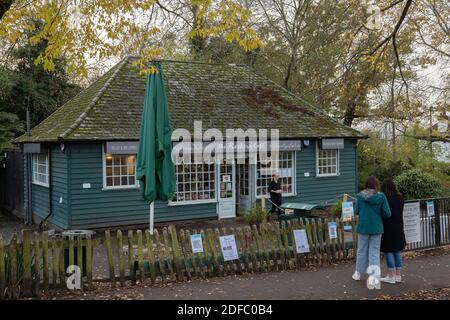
(356, 276)
(398, 278)
(388, 279)
(373, 283)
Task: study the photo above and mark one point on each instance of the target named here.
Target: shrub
(416, 184)
(256, 214)
(336, 209)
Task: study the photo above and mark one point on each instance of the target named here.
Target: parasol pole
(152, 216)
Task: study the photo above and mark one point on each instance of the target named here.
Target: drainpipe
(50, 189)
(29, 213)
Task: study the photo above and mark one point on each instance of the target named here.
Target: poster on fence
(301, 241)
(430, 208)
(196, 243)
(411, 221)
(348, 234)
(229, 248)
(332, 230)
(347, 211)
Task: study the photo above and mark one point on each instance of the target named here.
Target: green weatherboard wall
(97, 208)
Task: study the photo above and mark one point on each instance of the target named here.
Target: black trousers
(276, 204)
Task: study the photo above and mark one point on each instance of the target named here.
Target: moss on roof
(222, 96)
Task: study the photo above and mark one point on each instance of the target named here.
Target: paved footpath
(426, 271)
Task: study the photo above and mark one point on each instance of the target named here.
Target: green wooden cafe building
(82, 158)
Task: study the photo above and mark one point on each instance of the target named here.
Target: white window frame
(324, 175)
(203, 201)
(294, 178)
(40, 183)
(105, 187)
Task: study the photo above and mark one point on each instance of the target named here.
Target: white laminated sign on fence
(301, 241)
(229, 248)
(411, 222)
(196, 243)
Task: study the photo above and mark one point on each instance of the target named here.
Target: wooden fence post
(222, 264)
(112, 275)
(89, 252)
(251, 245)
(45, 261)
(2, 269)
(315, 239)
(13, 271)
(151, 256)
(355, 237)
(312, 246)
(285, 236)
(161, 262)
(131, 257)
(244, 249)
(265, 245)
(281, 248)
(208, 268)
(213, 251)
(260, 255)
(176, 252)
(227, 265)
(79, 242)
(327, 240)
(167, 254)
(37, 264)
(26, 263)
(140, 256)
(121, 257)
(321, 242)
(304, 257)
(62, 271)
(54, 264)
(189, 255)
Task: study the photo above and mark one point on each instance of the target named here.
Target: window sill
(41, 184)
(119, 188)
(283, 195)
(183, 203)
(327, 175)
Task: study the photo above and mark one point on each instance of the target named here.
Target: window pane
(284, 166)
(108, 158)
(40, 168)
(327, 162)
(120, 170)
(196, 181)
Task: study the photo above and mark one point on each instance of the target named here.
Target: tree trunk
(350, 112)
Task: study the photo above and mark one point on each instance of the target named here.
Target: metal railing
(434, 228)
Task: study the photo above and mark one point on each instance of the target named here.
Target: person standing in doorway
(393, 240)
(372, 207)
(275, 193)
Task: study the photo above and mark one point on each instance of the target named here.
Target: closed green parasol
(155, 168)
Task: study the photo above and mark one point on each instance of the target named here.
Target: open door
(244, 188)
(226, 206)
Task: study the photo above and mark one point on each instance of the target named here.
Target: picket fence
(37, 264)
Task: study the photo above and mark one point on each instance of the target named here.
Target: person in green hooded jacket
(371, 207)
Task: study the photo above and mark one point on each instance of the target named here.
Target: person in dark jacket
(371, 207)
(275, 193)
(393, 240)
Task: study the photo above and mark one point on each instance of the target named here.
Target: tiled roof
(221, 96)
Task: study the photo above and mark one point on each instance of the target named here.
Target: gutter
(50, 189)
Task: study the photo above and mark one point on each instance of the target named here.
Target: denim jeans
(393, 260)
(368, 251)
